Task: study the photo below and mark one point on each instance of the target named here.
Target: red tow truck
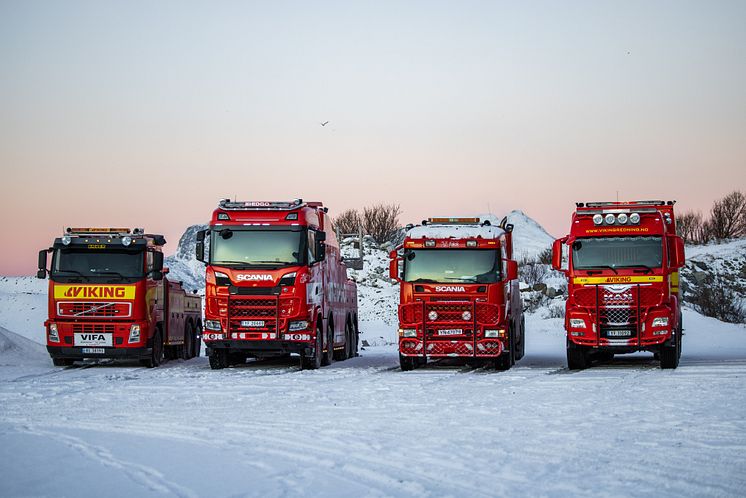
(276, 285)
(109, 298)
(622, 265)
(459, 295)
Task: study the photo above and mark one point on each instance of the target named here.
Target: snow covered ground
(364, 428)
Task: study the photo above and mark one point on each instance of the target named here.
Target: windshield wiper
(468, 279)
(69, 271)
(423, 281)
(260, 261)
(591, 269)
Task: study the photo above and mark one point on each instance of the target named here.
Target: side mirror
(157, 262)
(511, 269)
(676, 257)
(42, 272)
(156, 275)
(557, 254)
(394, 266)
(320, 250)
(200, 246)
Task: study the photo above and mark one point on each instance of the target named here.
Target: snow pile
(183, 266)
(724, 262)
(23, 306)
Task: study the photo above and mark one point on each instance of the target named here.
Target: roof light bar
(229, 205)
(454, 221)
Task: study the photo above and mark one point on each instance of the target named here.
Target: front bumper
(484, 348)
(115, 353)
(265, 347)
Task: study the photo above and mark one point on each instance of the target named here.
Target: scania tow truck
(276, 285)
(109, 298)
(622, 262)
(459, 295)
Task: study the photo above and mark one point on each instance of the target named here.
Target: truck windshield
(617, 252)
(107, 264)
(253, 247)
(451, 265)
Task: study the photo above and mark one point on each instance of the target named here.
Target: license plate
(618, 333)
(91, 339)
(450, 332)
(94, 350)
(252, 323)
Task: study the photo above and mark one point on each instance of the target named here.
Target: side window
(148, 261)
(311, 246)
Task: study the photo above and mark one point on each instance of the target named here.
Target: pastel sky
(146, 113)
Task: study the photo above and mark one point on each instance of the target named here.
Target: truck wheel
(521, 350)
(218, 359)
(328, 357)
(503, 362)
(344, 353)
(407, 363)
(577, 358)
(156, 352)
(188, 349)
(312, 362)
(62, 362)
(670, 354)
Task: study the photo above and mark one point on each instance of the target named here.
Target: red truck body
(109, 298)
(276, 284)
(622, 265)
(459, 295)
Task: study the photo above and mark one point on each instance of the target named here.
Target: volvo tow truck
(109, 298)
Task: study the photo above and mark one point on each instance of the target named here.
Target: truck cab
(622, 262)
(459, 295)
(109, 298)
(276, 285)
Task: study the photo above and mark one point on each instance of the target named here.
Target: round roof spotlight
(66, 240)
(466, 315)
(634, 218)
(621, 219)
(598, 219)
(433, 315)
(668, 218)
(126, 241)
(610, 219)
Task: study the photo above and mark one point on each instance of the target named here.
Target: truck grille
(259, 309)
(93, 328)
(94, 309)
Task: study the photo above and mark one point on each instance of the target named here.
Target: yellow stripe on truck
(618, 279)
(94, 292)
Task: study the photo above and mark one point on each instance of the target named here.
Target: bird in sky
(324, 123)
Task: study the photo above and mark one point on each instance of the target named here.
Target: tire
(187, 351)
(156, 351)
(577, 358)
(314, 362)
(407, 363)
(62, 362)
(507, 360)
(670, 355)
(604, 356)
(521, 350)
(218, 359)
(343, 354)
(328, 357)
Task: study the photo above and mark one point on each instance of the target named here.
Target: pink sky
(114, 118)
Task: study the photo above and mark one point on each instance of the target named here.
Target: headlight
(54, 336)
(610, 219)
(298, 325)
(598, 219)
(577, 323)
(134, 333)
(661, 321)
(407, 332)
(212, 325)
(221, 279)
(288, 279)
(634, 218)
(466, 315)
(433, 315)
(66, 240)
(621, 219)
(126, 240)
(494, 333)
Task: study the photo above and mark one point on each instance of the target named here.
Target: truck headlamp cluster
(661, 321)
(577, 323)
(54, 335)
(126, 241)
(134, 334)
(298, 325)
(407, 333)
(494, 333)
(212, 325)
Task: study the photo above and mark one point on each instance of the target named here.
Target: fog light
(577, 323)
(54, 335)
(610, 219)
(134, 333)
(212, 325)
(634, 218)
(661, 321)
(407, 333)
(466, 315)
(433, 315)
(621, 219)
(494, 333)
(576, 334)
(298, 325)
(213, 337)
(660, 332)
